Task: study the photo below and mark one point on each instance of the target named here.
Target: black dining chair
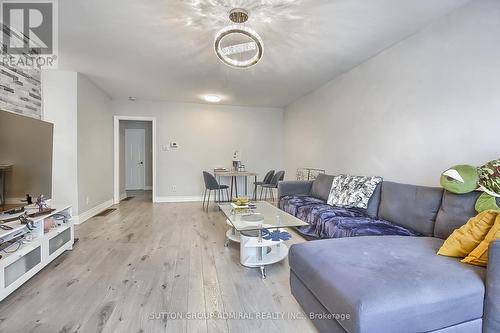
(211, 184)
(278, 176)
(267, 179)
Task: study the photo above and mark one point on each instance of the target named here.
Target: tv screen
(25, 159)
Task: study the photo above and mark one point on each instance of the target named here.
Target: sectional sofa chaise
(380, 272)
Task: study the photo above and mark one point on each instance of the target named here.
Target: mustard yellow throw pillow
(479, 256)
(466, 238)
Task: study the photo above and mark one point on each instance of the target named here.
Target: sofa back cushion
(321, 186)
(455, 211)
(410, 206)
(374, 202)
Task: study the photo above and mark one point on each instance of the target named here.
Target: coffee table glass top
(263, 216)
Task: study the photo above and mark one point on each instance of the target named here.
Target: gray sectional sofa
(390, 283)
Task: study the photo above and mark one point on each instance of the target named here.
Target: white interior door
(135, 152)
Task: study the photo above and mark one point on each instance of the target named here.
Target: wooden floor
(139, 267)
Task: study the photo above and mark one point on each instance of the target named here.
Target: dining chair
(278, 176)
(267, 179)
(211, 184)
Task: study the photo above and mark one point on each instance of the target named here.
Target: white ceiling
(162, 49)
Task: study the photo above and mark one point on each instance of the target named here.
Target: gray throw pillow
(352, 191)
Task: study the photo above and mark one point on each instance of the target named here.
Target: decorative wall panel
(20, 87)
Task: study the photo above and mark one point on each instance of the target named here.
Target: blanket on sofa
(326, 221)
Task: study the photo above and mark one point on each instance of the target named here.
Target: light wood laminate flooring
(144, 268)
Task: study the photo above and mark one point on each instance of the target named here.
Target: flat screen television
(25, 159)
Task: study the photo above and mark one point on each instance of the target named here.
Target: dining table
(234, 175)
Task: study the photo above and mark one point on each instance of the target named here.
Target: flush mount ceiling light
(238, 45)
(212, 98)
(238, 15)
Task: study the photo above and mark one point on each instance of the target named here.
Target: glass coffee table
(247, 228)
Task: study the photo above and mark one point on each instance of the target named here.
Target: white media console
(18, 265)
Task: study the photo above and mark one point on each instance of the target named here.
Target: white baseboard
(123, 196)
(190, 198)
(92, 212)
(179, 199)
(148, 188)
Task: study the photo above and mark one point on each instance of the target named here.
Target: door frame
(116, 153)
(144, 162)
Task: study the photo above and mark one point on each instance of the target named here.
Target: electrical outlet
(174, 188)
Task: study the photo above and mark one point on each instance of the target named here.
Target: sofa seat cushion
(390, 283)
(325, 221)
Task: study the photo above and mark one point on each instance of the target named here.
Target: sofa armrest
(491, 318)
(294, 187)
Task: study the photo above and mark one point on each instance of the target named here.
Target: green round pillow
(460, 179)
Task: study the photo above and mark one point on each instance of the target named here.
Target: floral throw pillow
(352, 191)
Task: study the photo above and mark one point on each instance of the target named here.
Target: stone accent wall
(20, 88)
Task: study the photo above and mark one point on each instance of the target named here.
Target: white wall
(95, 146)
(207, 136)
(427, 103)
(59, 93)
(83, 141)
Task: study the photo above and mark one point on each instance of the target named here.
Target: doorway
(134, 154)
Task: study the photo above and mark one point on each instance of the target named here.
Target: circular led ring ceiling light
(239, 16)
(236, 29)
